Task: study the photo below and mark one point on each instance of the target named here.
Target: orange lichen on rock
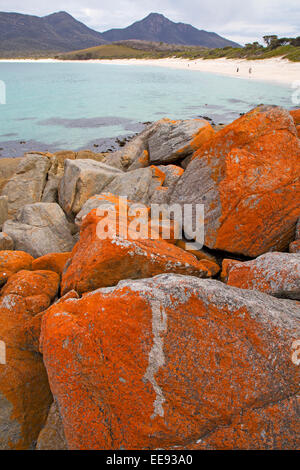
(199, 253)
(13, 261)
(202, 137)
(250, 172)
(166, 362)
(226, 266)
(51, 262)
(25, 396)
(295, 246)
(276, 274)
(199, 139)
(158, 174)
(295, 113)
(273, 427)
(102, 262)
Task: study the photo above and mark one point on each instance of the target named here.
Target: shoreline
(271, 70)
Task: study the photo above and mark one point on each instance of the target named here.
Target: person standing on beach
(250, 71)
(238, 70)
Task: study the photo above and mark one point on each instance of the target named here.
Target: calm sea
(77, 106)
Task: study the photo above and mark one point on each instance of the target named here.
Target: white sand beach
(274, 70)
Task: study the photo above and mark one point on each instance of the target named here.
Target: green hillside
(150, 50)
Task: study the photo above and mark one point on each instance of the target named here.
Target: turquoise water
(73, 105)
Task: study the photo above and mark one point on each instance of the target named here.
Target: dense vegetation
(288, 48)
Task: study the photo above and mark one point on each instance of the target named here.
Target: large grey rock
(137, 185)
(52, 436)
(173, 139)
(276, 274)
(3, 210)
(81, 180)
(6, 242)
(134, 184)
(40, 229)
(28, 183)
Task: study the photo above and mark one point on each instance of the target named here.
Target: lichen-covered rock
(272, 427)
(295, 247)
(52, 262)
(276, 274)
(6, 243)
(52, 436)
(102, 262)
(28, 183)
(81, 180)
(162, 228)
(175, 140)
(247, 177)
(103, 201)
(173, 361)
(192, 248)
(162, 193)
(295, 113)
(25, 396)
(227, 264)
(13, 261)
(40, 229)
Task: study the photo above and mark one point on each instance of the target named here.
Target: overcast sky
(241, 21)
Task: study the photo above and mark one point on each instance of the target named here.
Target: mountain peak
(155, 15)
(157, 28)
(30, 35)
(61, 14)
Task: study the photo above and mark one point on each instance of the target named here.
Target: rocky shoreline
(126, 343)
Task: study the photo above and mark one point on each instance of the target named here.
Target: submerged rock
(174, 362)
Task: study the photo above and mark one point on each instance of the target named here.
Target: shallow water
(58, 106)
